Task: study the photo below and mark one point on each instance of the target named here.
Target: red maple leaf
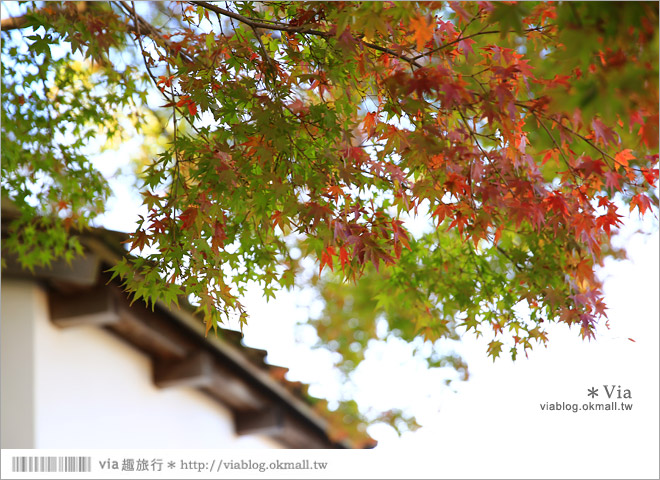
(612, 181)
(343, 257)
(140, 239)
(326, 259)
(188, 217)
(641, 201)
(602, 132)
(219, 236)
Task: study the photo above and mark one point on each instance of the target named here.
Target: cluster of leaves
(320, 128)
(54, 104)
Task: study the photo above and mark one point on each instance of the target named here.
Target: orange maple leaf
(623, 157)
(422, 31)
(369, 123)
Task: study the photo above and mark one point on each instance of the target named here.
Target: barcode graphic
(51, 464)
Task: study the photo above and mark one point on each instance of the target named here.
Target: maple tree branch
(513, 262)
(260, 24)
(254, 24)
(554, 142)
(142, 27)
(267, 58)
(14, 23)
(389, 51)
(485, 154)
(22, 21)
(587, 141)
(139, 22)
(460, 39)
(573, 132)
(142, 51)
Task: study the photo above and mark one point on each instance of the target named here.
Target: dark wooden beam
(150, 332)
(97, 306)
(280, 424)
(268, 421)
(296, 433)
(231, 387)
(194, 371)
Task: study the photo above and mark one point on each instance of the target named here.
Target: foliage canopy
(321, 130)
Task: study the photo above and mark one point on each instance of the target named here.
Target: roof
(259, 397)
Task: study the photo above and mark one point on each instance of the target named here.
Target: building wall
(91, 390)
(17, 364)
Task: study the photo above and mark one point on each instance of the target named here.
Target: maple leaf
(465, 46)
(538, 334)
(279, 220)
(641, 201)
(140, 240)
(183, 100)
(441, 211)
(343, 257)
(591, 166)
(650, 175)
(495, 348)
(622, 158)
(219, 236)
(584, 272)
(460, 11)
(469, 323)
(610, 219)
(326, 258)
(602, 132)
(587, 327)
(188, 217)
(369, 122)
(209, 324)
(422, 31)
(557, 203)
(612, 180)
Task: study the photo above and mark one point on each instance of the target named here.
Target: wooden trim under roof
(181, 355)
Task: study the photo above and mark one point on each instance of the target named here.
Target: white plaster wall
(92, 390)
(17, 364)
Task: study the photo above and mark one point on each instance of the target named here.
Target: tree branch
(295, 29)
(259, 24)
(142, 27)
(14, 23)
(389, 51)
(461, 38)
